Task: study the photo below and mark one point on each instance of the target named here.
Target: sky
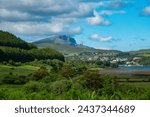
(103, 24)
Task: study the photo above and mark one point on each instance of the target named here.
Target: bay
(134, 67)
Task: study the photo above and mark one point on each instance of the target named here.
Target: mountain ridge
(65, 44)
(59, 39)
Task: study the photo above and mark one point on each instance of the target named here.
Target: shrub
(76, 92)
(60, 87)
(103, 64)
(40, 73)
(92, 80)
(50, 78)
(71, 70)
(17, 64)
(56, 65)
(33, 86)
(68, 71)
(11, 62)
(109, 85)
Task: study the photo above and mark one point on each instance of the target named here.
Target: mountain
(68, 46)
(61, 39)
(62, 43)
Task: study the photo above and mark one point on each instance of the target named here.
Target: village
(111, 57)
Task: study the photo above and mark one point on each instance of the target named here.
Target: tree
(40, 73)
(92, 80)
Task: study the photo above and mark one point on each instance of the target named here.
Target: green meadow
(54, 80)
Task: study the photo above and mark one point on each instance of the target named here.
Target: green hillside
(66, 49)
(10, 40)
(15, 49)
(143, 52)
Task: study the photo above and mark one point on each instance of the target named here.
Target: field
(20, 70)
(18, 82)
(137, 78)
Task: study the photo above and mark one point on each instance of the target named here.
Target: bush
(56, 65)
(40, 73)
(103, 64)
(76, 92)
(71, 70)
(92, 80)
(50, 78)
(59, 87)
(33, 86)
(109, 85)
(68, 71)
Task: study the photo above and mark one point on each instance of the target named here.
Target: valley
(59, 68)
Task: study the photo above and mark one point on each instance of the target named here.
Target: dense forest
(15, 49)
(8, 39)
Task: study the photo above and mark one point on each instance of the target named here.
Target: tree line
(10, 40)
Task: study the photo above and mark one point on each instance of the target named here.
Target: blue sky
(104, 24)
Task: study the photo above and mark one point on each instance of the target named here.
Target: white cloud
(38, 29)
(97, 20)
(40, 6)
(117, 3)
(32, 17)
(31, 28)
(146, 10)
(101, 38)
(40, 17)
(110, 12)
(76, 30)
(8, 15)
(104, 48)
(84, 9)
(64, 20)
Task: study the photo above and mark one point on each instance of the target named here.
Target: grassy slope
(144, 52)
(20, 70)
(72, 49)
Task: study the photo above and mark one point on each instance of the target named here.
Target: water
(134, 67)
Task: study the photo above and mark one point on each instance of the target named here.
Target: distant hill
(143, 52)
(144, 56)
(67, 45)
(15, 49)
